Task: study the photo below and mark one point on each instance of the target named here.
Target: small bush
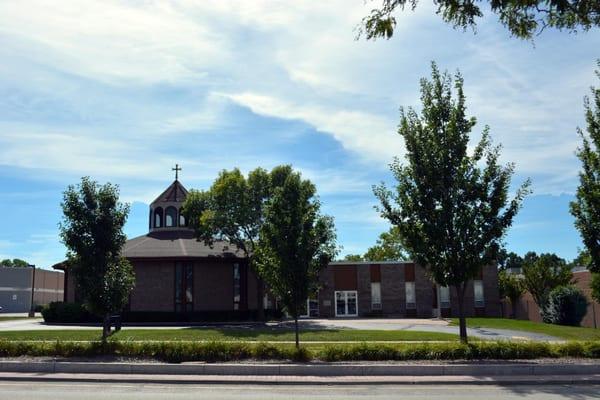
(60, 312)
(567, 305)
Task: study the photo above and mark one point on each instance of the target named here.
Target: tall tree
(509, 261)
(523, 19)
(451, 208)
(296, 243)
(586, 207)
(92, 231)
(543, 273)
(233, 210)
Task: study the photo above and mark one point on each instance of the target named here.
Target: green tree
(92, 231)
(511, 287)
(542, 274)
(510, 260)
(388, 247)
(14, 263)
(523, 19)
(296, 243)
(233, 210)
(451, 209)
(586, 206)
(353, 257)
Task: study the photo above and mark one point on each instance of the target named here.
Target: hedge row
(228, 351)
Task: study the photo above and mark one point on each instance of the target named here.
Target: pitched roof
(176, 244)
(175, 192)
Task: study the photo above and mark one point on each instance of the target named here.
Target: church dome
(165, 210)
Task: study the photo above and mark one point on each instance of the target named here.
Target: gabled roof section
(176, 245)
(174, 193)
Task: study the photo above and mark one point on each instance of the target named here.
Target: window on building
(182, 221)
(150, 219)
(346, 303)
(478, 293)
(237, 287)
(411, 302)
(376, 295)
(184, 287)
(158, 216)
(170, 217)
(444, 296)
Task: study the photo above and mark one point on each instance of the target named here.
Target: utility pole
(32, 308)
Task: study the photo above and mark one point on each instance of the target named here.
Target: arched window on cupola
(170, 217)
(158, 217)
(182, 221)
(150, 219)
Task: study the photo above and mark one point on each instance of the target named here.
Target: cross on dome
(176, 169)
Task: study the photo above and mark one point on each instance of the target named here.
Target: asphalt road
(95, 391)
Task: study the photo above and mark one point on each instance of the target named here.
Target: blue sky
(121, 91)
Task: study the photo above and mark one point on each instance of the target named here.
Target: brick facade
(356, 276)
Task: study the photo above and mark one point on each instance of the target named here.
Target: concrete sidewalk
(322, 369)
(506, 380)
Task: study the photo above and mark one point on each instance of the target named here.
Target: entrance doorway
(346, 303)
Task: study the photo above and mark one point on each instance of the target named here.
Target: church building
(179, 278)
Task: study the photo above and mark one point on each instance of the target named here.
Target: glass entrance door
(345, 303)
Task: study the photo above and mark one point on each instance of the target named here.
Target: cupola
(166, 209)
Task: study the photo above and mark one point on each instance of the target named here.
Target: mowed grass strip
(219, 334)
(558, 331)
(10, 318)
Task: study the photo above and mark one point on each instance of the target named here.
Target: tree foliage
(14, 263)
(586, 206)
(451, 208)
(388, 247)
(296, 243)
(567, 305)
(233, 210)
(92, 231)
(511, 287)
(523, 19)
(509, 261)
(542, 274)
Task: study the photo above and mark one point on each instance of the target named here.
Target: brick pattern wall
(155, 286)
(393, 292)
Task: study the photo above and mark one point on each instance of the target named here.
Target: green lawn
(257, 334)
(10, 318)
(559, 331)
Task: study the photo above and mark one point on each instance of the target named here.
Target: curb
(313, 370)
(305, 380)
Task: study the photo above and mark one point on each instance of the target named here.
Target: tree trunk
(105, 328)
(260, 295)
(460, 292)
(296, 329)
(513, 305)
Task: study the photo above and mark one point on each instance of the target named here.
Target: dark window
(150, 219)
(170, 217)
(237, 287)
(182, 221)
(158, 215)
(184, 286)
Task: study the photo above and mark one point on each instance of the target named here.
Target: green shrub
(567, 305)
(60, 312)
(176, 352)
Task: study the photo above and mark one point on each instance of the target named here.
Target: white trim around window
(346, 303)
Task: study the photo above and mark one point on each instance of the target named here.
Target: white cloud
(367, 134)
